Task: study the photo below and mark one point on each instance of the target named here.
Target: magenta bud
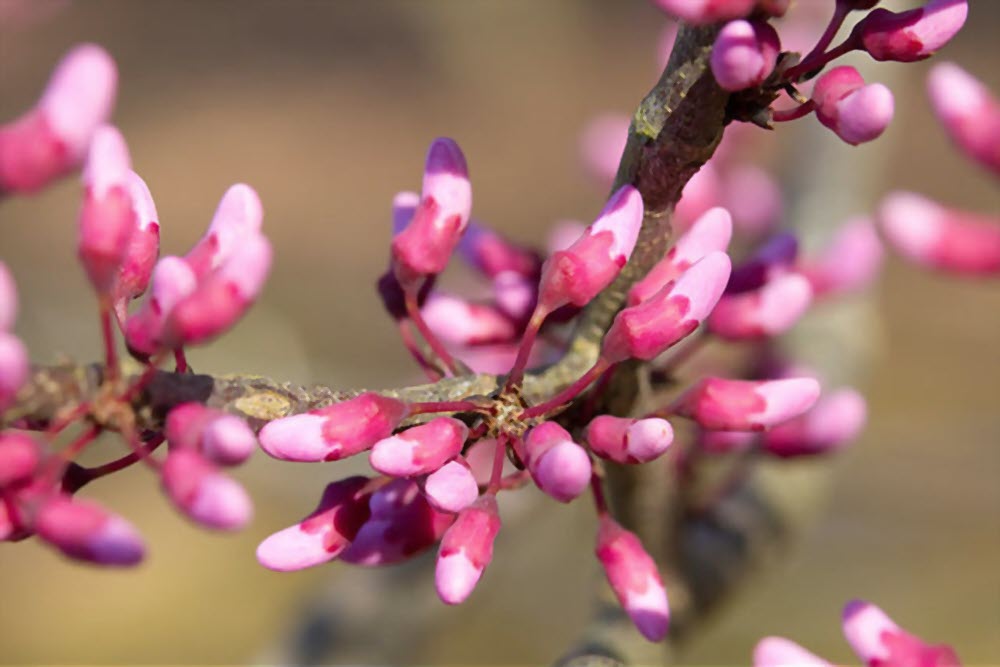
(459, 322)
(835, 420)
(324, 534)
(466, 550)
(911, 35)
(629, 440)
(877, 640)
(451, 488)
(204, 494)
(239, 215)
(83, 530)
(419, 450)
(493, 255)
(771, 259)
(849, 263)
(747, 405)
(19, 456)
(769, 311)
(8, 299)
(334, 432)
(744, 54)
(780, 652)
(703, 12)
(143, 247)
(14, 367)
(559, 466)
(856, 112)
(634, 579)
(969, 112)
(173, 280)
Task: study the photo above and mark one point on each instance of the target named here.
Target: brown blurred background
(326, 108)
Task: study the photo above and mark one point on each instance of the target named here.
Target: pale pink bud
(402, 525)
(515, 295)
(912, 35)
(709, 233)
(204, 494)
(602, 144)
(941, 238)
(334, 432)
(781, 652)
(769, 311)
(647, 330)
(239, 215)
(968, 111)
(493, 255)
(222, 438)
(173, 279)
(753, 197)
(466, 550)
(84, 530)
(634, 579)
(53, 138)
(451, 488)
(576, 275)
(877, 640)
(8, 299)
(854, 111)
(703, 12)
(849, 262)
(460, 322)
(835, 420)
(744, 54)
(19, 456)
(629, 440)
(419, 450)
(107, 219)
(747, 405)
(702, 192)
(14, 366)
(559, 466)
(324, 534)
(425, 246)
(143, 247)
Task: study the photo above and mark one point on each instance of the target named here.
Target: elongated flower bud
(969, 112)
(19, 457)
(222, 438)
(143, 247)
(83, 530)
(835, 420)
(769, 311)
(911, 35)
(703, 12)
(460, 322)
(238, 215)
(204, 494)
(856, 112)
(466, 550)
(773, 258)
(173, 279)
(877, 640)
(419, 450)
(849, 262)
(629, 440)
(747, 405)
(559, 466)
(452, 487)
(781, 652)
(744, 54)
(493, 255)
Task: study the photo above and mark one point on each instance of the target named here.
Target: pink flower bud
(629, 440)
(19, 456)
(877, 640)
(634, 579)
(576, 275)
(173, 279)
(143, 247)
(850, 261)
(53, 138)
(702, 192)
(602, 144)
(515, 295)
(107, 219)
(771, 259)
(222, 438)
(647, 330)
(203, 493)
(559, 466)
(322, 535)
(753, 197)
(769, 311)
(744, 54)
(8, 299)
(466, 550)
(402, 525)
(912, 35)
(747, 405)
(424, 247)
(419, 450)
(780, 652)
(941, 238)
(334, 432)
(710, 233)
(703, 12)
(451, 488)
(969, 113)
(459, 322)
(493, 255)
(84, 530)
(835, 420)
(854, 111)
(239, 215)
(14, 367)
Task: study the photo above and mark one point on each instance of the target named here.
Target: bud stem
(413, 309)
(569, 393)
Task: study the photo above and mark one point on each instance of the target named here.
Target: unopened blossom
(753, 197)
(703, 12)
(459, 322)
(747, 405)
(419, 450)
(941, 238)
(452, 487)
(493, 255)
(781, 652)
(222, 438)
(143, 247)
(53, 138)
(911, 35)
(83, 530)
(466, 550)
(771, 259)
(559, 466)
(629, 440)
(849, 262)
(856, 112)
(207, 496)
(14, 364)
(770, 310)
(877, 640)
(834, 421)
(19, 457)
(634, 579)
(334, 432)
(744, 54)
(969, 112)
(172, 280)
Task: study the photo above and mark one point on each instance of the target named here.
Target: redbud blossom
(747, 405)
(425, 246)
(629, 440)
(911, 35)
(969, 112)
(334, 432)
(53, 138)
(744, 54)
(143, 246)
(84, 530)
(324, 534)
(493, 255)
(559, 466)
(634, 579)
(849, 262)
(768, 311)
(19, 456)
(402, 525)
(709, 233)
(835, 420)
(703, 12)
(854, 111)
(204, 494)
(941, 238)
(459, 322)
(172, 280)
(781, 652)
(647, 330)
(466, 550)
(222, 438)
(878, 641)
(451, 488)
(419, 450)
(577, 274)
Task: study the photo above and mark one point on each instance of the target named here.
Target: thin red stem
(785, 115)
(432, 373)
(445, 406)
(413, 310)
(524, 352)
(139, 448)
(693, 345)
(60, 423)
(108, 334)
(819, 62)
(496, 475)
(87, 475)
(515, 480)
(569, 393)
(180, 361)
(597, 491)
(840, 13)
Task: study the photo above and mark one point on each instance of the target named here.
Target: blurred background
(326, 108)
